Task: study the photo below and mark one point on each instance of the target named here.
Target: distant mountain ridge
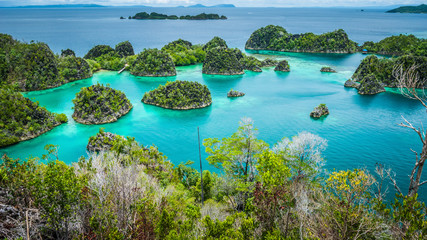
(410, 9)
(60, 6)
(214, 6)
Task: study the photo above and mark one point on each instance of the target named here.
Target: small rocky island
(159, 16)
(21, 119)
(328, 69)
(232, 93)
(153, 63)
(179, 95)
(282, 66)
(222, 61)
(102, 141)
(100, 104)
(320, 111)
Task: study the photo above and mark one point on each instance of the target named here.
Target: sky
(238, 3)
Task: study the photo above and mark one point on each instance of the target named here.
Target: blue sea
(361, 130)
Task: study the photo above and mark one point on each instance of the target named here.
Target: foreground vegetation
(134, 192)
(21, 119)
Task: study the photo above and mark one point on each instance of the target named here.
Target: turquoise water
(361, 130)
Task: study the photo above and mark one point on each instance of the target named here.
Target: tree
(237, 155)
(412, 86)
(303, 154)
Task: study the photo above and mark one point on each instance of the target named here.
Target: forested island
(103, 141)
(374, 74)
(21, 119)
(179, 95)
(276, 38)
(153, 63)
(410, 9)
(159, 16)
(100, 104)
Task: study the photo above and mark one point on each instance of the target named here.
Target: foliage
(111, 61)
(283, 66)
(22, 119)
(67, 52)
(410, 217)
(73, 68)
(398, 45)
(184, 53)
(100, 104)
(179, 95)
(214, 43)
(381, 69)
(153, 62)
(124, 49)
(98, 51)
(94, 65)
(276, 38)
(222, 61)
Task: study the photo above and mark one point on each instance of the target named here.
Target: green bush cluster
(263, 192)
(154, 63)
(105, 57)
(22, 119)
(214, 43)
(276, 38)
(184, 53)
(398, 45)
(124, 49)
(179, 95)
(73, 68)
(67, 52)
(222, 61)
(159, 16)
(100, 104)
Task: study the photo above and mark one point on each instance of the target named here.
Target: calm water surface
(361, 130)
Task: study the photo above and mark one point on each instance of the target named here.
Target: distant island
(159, 16)
(410, 9)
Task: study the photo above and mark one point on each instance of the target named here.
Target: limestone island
(320, 111)
(100, 104)
(153, 63)
(374, 74)
(33, 66)
(398, 45)
(159, 16)
(21, 119)
(232, 93)
(184, 53)
(410, 9)
(328, 69)
(222, 61)
(102, 141)
(282, 66)
(276, 38)
(179, 95)
(268, 62)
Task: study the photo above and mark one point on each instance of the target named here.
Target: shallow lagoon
(361, 130)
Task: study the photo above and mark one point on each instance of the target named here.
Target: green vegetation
(222, 61)
(159, 16)
(103, 141)
(276, 38)
(73, 68)
(182, 95)
(328, 69)
(98, 51)
(398, 45)
(22, 119)
(214, 43)
(184, 53)
(124, 49)
(320, 111)
(33, 66)
(263, 192)
(375, 73)
(100, 104)
(282, 66)
(153, 63)
(410, 9)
